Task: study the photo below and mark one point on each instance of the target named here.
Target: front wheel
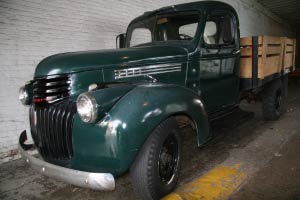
(155, 171)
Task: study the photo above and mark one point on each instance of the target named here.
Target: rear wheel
(272, 101)
(285, 84)
(155, 171)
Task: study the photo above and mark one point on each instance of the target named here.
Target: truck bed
(265, 58)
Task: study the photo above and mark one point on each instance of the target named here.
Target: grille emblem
(39, 100)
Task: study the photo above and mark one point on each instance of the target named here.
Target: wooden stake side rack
(265, 58)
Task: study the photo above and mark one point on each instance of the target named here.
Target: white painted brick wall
(33, 29)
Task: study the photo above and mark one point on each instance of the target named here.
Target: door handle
(236, 51)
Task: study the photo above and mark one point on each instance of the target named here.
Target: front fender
(116, 139)
(137, 114)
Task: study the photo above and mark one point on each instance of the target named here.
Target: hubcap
(168, 160)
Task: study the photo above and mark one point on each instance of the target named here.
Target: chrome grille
(51, 89)
(51, 129)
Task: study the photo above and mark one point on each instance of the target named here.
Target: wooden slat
(246, 41)
(275, 54)
(271, 55)
(260, 40)
(289, 41)
(246, 67)
(264, 55)
(272, 40)
(247, 51)
(289, 49)
(272, 65)
(274, 50)
(289, 53)
(288, 60)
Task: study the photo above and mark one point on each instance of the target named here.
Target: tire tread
(146, 187)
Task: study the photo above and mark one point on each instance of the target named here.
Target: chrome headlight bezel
(87, 108)
(24, 95)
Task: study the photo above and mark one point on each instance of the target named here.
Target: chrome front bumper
(95, 181)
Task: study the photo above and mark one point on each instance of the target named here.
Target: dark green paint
(106, 98)
(202, 6)
(106, 59)
(133, 111)
(115, 140)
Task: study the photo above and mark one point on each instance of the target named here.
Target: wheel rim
(168, 160)
(278, 102)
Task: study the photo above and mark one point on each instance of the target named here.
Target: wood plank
(289, 49)
(260, 40)
(272, 65)
(288, 60)
(275, 54)
(272, 40)
(289, 53)
(246, 41)
(246, 68)
(260, 68)
(274, 50)
(264, 55)
(289, 41)
(247, 51)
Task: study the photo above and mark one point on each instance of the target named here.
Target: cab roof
(193, 6)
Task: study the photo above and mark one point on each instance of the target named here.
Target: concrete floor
(270, 149)
(280, 179)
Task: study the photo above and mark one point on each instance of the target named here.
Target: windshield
(162, 28)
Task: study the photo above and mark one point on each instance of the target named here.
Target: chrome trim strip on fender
(147, 70)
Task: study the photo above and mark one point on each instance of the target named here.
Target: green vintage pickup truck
(95, 115)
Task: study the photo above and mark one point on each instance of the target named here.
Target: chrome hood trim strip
(147, 70)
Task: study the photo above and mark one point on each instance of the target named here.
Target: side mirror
(120, 40)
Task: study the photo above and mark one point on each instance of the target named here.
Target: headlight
(87, 108)
(24, 96)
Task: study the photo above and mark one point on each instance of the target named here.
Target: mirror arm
(120, 40)
(118, 37)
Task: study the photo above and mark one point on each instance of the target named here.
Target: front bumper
(96, 181)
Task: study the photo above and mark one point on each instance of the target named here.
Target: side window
(187, 32)
(140, 36)
(210, 32)
(219, 30)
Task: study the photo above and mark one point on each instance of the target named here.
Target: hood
(94, 60)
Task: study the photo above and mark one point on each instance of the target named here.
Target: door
(219, 62)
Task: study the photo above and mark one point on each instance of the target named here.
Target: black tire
(285, 85)
(148, 177)
(272, 101)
